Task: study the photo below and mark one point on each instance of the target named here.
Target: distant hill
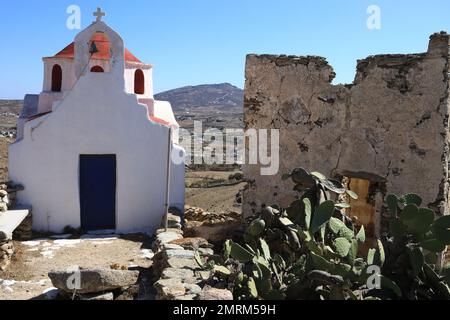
(216, 105)
(13, 106)
(222, 95)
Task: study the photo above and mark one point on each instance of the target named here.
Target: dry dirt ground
(215, 199)
(26, 278)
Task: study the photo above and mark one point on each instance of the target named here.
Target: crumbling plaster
(389, 126)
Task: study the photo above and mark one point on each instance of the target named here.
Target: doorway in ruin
(367, 209)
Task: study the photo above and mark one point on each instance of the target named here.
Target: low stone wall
(6, 253)
(8, 193)
(214, 227)
(4, 199)
(24, 233)
(180, 276)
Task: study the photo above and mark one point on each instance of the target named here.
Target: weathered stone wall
(389, 126)
(174, 263)
(6, 253)
(8, 193)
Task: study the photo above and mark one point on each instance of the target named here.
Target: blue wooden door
(98, 192)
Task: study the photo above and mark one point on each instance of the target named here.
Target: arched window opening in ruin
(97, 69)
(56, 78)
(139, 82)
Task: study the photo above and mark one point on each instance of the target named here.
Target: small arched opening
(56, 78)
(139, 82)
(97, 69)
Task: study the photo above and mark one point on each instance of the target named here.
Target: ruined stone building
(388, 131)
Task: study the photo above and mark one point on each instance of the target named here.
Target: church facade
(92, 149)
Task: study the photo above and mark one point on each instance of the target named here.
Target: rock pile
(180, 276)
(8, 193)
(210, 218)
(173, 221)
(93, 284)
(6, 245)
(214, 227)
(5, 202)
(6, 253)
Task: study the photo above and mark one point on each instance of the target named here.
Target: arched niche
(139, 82)
(56, 78)
(97, 69)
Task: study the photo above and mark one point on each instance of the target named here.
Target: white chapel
(92, 148)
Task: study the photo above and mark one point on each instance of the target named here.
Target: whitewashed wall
(96, 117)
(129, 81)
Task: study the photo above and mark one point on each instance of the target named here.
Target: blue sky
(194, 42)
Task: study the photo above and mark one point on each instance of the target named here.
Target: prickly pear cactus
(310, 250)
(414, 245)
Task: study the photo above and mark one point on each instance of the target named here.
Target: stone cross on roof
(99, 14)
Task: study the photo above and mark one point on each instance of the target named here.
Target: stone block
(93, 280)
